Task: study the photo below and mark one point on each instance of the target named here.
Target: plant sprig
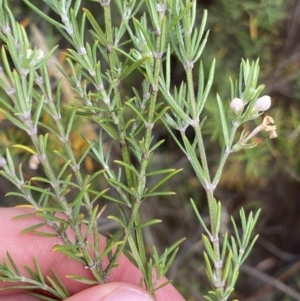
(97, 71)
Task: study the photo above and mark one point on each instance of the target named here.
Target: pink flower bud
(262, 104)
(236, 105)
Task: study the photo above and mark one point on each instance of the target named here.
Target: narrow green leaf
(13, 264)
(78, 199)
(63, 168)
(234, 277)
(101, 35)
(152, 10)
(44, 234)
(163, 36)
(38, 111)
(70, 253)
(136, 256)
(219, 217)
(209, 248)
(199, 217)
(22, 216)
(60, 292)
(92, 221)
(130, 167)
(191, 153)
(162, 181)
(170, 262)
(41, 296)
(148, 223)
(98, 194)
(202, 26)
(256, 216)
(43, 15)
(49, 217)
(202, 97)
(17, 194)
(108, 249)
(236, 231)
(179, 16)
(175, 108)
(96, 174)
(243, 219)
(82, 279)
(14, 120)
(117, 220)
(61, 155)
(232, 90)
(136, 111)
(225, 246)
(173, 136)
(110, 131)
(17, 287)
(31, 228)
(159, 115)
(128, 69)
(51, 209)
(121, 185)
(156, 145)
(70, 121)
(208, 298)
(235, 254)
(160, 172)
(41, 179)
(39, 189)
(115, 200)
(32, 273)
(158, 193)
(50, 130)
(209, 271)
(223, 121)
(162, 285)
(39, 273)
(246, 254)
(85, 153)
(228, 266)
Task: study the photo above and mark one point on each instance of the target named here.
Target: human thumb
(115, 291)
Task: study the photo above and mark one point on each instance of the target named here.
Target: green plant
(98, 70)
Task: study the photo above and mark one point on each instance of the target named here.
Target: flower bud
(39, 53)
(262, 104)
(29, 53)
(236, 105)
(34, 162)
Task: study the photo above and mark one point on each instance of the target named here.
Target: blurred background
(266, 177)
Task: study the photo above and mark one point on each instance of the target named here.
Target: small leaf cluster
(37, 281)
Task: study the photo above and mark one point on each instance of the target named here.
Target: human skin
(23, 247)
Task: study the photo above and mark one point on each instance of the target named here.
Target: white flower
(267, 125)
(236, 105)
(262, 104)
(270, 128)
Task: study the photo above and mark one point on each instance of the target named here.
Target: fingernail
(125, 293)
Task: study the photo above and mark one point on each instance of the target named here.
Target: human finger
(23, 247)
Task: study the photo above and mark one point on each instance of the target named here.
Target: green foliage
(100, 62)
(11, 273)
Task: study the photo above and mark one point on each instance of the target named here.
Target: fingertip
(114, 291)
